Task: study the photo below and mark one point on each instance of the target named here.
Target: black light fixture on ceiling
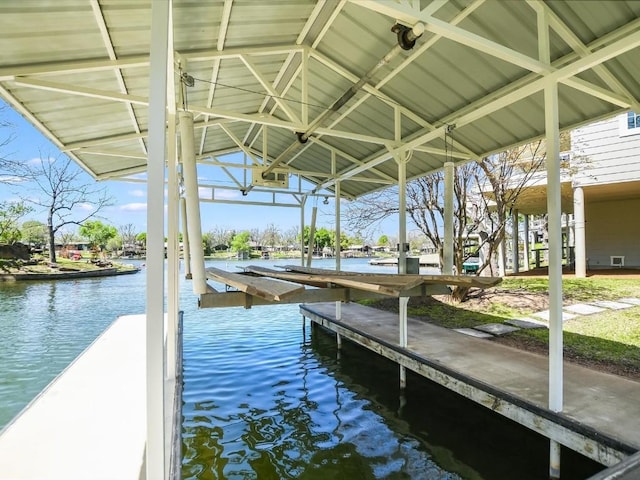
(325, 201)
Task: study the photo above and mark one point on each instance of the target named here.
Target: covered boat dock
(317, 99)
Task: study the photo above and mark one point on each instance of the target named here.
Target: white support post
(502, 268)
(402, 215)
(526, 246)
(552, 123)
(580, 250)
(302, 204)
(567, 243)
(448, 219)
(515, 254)
(555, 264)
(193, 201)
(186, 248)
(173, 249)
(155, 447)
(337, 239)
(403, 340)
(312, 235)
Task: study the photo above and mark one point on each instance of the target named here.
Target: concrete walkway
(603, 402)
(541, 319)
(90, 422)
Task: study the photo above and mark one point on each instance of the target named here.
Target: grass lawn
(609, 340)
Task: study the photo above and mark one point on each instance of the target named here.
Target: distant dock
(428, 260)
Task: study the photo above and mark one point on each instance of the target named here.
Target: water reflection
(276, 408)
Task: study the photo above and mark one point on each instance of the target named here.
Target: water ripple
(261, 402)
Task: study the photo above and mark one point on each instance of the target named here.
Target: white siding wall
(605, 152)
(613, 228)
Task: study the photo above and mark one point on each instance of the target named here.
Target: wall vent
(617, 261)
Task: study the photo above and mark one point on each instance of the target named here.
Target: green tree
(240, 242)
(34, 232)
(97, 233)
(383, 240)
(208, 243)
(10, 213)
(142, 238)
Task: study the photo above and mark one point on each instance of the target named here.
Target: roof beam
(411, 16)
(582, 50)
(272, 93)
(106, 39)
(487, 46)
(222, 36)
(501, 100)
(207, 55)
(129, 136)
(81, 91)
(76, 66)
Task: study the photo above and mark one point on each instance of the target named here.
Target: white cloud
(226, 194)
(138, 193)
(134, 207)
(86, 206)
(11, 179)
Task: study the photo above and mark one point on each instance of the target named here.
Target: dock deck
(601, 417)
(90, 421)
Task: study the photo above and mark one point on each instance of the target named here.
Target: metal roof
(266, 70)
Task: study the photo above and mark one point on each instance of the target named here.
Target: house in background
(600, 197)
(606, 192)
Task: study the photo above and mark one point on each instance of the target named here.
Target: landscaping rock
(496, 328)
(473, 332)
(526, 323)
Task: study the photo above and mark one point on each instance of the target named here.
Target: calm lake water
(265, 399)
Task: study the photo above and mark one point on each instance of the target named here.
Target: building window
(629, 124)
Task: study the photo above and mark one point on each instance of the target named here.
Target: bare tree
(271, 235)
(221, 236)
(60, 191)
(128, 236)
(291, 236)
(6, 136)
(484, 194)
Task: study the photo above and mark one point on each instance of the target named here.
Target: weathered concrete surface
(604, 402)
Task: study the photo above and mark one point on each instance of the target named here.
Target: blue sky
(130, 198)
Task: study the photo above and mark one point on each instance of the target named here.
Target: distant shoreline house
(600, 196)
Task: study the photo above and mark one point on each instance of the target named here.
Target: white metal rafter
(106, 39)
(222, 35)
(510, 94)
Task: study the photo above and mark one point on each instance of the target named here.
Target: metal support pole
(193, 201)
(337, 241)
(155, 448)
(448, 219)
(186, 248)
(526, 248)
(402, 308)
(567, 242)
(304, 201)
(502, 270)
(173, 249)
(515, 254)
(402, 215)
(580, 250)
(312, 235)
(555, 264)
(338, 232)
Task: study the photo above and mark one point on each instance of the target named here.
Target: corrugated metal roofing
(80, 72)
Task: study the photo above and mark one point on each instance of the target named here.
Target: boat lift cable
(407, 37)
